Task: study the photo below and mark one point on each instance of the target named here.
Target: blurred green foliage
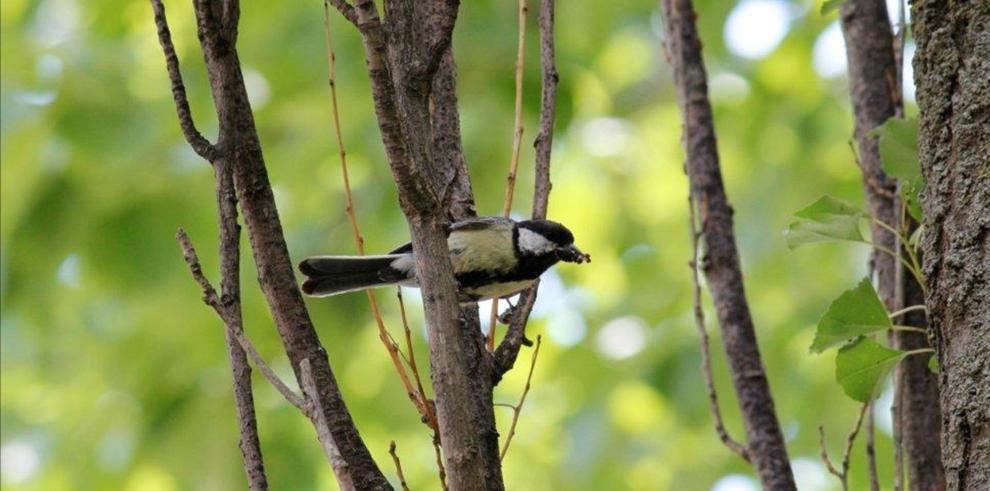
(114, 372)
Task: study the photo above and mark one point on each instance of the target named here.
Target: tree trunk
(952, 70)
(876, 97)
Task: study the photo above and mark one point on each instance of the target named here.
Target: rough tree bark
(238, 148)
(876, 97)
(765, 443)
(412, 78)
(952, 71)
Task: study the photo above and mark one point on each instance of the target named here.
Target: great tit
(493, 257)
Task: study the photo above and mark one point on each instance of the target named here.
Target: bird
(493, 257)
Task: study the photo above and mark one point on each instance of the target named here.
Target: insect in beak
(572, 254)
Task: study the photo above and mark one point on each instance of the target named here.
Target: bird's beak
(572, 254)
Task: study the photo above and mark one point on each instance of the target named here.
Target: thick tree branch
(765, 443)
(876, 96)
(402, 101)
(416, 395)
(446, 16)
(515, 336)
(240, 148)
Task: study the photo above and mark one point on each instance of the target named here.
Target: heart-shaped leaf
(827, 219)
(862, 365)
(856, 312)
(898, 142)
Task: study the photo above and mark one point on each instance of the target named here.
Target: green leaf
(899, 148)
(933, 363)
(898, 143)
(862, 365)
(827, 219)
(909, 195)
(856, 312)
(831, 5)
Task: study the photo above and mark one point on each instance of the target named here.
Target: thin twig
(706, 355)
(418, 398)
(517, 123)
(441, 470)
(345, 9)
(211, 299)
(510, 184)
(522, 399)
(843, 475)
(398, 465)
(431, 414)
(270, 375)
(196, 140)
(508, 349)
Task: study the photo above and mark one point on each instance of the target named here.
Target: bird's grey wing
(482, 244)
(477, 223)
(482, 223)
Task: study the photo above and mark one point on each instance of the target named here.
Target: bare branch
(517, 125)
(510, 185)
(522, 399)
(229, 311)
(843, 474)
(276, 275)
(197, 141)
(398, 465)
(345, 9)
(706, 354)
(548, 110)
(271, 376)
(192, 260)
(515, 336)
(765, 441)
(319, 418)
(210, 298)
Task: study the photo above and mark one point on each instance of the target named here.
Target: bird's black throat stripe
(528, 268)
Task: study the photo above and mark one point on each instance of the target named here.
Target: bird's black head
(543, 237)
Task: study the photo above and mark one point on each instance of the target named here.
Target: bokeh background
(114, 374)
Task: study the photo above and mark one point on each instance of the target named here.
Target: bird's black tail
(330, 275)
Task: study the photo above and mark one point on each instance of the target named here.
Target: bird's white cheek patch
(534, 243)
